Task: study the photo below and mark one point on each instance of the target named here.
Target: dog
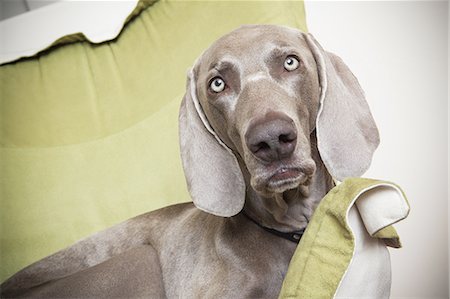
(268, 120)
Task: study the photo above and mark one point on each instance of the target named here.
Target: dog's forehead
(249, 43)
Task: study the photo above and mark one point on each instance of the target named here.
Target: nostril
(261, 146)
(286, 144)
(286, 138)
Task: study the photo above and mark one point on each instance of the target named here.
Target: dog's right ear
(347, 135)
(212, 172)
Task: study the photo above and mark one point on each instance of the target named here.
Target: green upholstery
(89, 133)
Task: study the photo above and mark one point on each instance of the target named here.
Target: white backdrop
(398, 51)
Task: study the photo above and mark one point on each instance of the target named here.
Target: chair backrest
(89, 131)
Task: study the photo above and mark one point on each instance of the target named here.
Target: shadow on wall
(11, 8)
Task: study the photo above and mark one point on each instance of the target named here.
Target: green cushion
(89, 132)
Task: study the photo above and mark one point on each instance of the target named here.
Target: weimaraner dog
(268, 119)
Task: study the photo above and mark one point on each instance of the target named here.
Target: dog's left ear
(346, 132)
(212, 172)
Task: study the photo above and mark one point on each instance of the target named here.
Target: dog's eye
(217, 84)
(291, 63)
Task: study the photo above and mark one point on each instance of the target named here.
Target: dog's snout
(272, 139)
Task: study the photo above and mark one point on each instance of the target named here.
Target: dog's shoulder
(179, 221)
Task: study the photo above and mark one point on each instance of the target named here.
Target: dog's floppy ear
(346, 132)
(212, 172)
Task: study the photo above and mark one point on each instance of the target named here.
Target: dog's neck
(291, 210)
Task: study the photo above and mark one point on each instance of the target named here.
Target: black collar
(291, 236)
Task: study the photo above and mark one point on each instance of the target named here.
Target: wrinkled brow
(223, 65)
(283, 50)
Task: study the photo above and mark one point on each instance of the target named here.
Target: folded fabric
(343, 252)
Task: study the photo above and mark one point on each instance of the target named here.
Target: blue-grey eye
(291, 63)
(217, 84)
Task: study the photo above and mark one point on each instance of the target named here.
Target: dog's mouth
(285, 178)
(282, 176)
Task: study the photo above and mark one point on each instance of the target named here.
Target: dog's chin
(282, 180)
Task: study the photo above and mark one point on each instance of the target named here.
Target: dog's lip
(281, 176)
(286, 178)
(285, 173)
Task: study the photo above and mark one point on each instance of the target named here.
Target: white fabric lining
(380, 223)
(368, 274)
(383, 211)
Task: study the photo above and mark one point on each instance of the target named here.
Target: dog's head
(253, 101)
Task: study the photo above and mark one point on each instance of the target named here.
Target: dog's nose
(272, 139)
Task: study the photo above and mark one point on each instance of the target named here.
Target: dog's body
(198, 255)
(264, 126)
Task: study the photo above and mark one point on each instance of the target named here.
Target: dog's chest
(226, 263)
(206, 277)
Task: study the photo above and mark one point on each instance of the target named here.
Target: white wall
(398, 51)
